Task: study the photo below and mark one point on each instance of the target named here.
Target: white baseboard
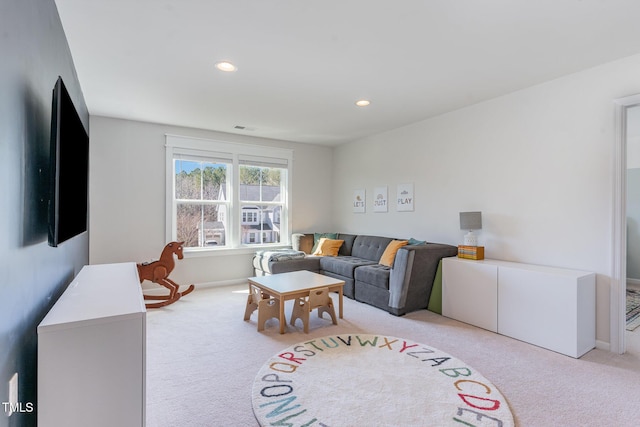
(603, 345)
(633, 283)
(160, 290)
(231, 282)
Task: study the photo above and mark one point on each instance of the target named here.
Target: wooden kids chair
(318, 298)
(267, 307)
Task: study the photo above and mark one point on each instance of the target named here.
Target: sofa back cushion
(302, 242)
(370, 247)
(347, 246)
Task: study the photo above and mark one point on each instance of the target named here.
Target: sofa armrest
(310, 263)
(412, 275)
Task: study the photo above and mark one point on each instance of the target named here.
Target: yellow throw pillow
(389, 254)
(328, 247)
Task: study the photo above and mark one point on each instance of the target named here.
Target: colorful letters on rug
(373, 380)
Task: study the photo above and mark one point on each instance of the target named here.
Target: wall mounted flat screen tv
(69, 185)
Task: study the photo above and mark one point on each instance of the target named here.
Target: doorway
(624, 151)
(632, 136)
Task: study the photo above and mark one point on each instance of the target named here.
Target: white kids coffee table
(292, 285)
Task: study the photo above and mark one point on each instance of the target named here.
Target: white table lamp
(470, 221)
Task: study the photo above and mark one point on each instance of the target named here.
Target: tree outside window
(198, 187)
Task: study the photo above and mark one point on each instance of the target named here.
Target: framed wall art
(404, 198)
(380, 202)
(359, 201)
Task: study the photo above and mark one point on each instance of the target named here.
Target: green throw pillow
(318, 236)
(413, 241)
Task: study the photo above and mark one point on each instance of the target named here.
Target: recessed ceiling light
(363, 103)
(226, 66)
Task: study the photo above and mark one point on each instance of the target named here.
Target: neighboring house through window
(226, 195)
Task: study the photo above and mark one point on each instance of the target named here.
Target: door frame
(619, 241)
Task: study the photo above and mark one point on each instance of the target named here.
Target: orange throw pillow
(389, 254)
(328, 247)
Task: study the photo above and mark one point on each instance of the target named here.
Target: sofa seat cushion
(343, 265)
(375, 275)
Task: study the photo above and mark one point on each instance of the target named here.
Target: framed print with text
(359, 201)
(404, 197)
(380, 202)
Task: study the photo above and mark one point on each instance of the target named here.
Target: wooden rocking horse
(158, 272)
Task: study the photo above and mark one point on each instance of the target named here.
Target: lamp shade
(470, 220)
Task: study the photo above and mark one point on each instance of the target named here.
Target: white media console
(92, 351)
(550, 307)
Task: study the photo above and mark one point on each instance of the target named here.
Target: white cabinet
(92, 351)
(550, 307)
(470, 293)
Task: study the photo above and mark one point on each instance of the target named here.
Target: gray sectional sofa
(403, 288)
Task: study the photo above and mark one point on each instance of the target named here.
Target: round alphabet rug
(373, 380)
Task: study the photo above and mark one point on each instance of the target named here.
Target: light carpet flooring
(202, 359)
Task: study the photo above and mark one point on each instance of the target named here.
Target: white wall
(127, 196)
(538, 163)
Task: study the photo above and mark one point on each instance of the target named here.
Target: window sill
(244, 250)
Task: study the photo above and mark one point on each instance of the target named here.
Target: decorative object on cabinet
(158, 272)
(470, 221)
(471, 252)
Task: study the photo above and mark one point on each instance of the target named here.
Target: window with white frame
(226, 195)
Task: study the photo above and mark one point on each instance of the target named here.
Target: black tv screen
(68, 198)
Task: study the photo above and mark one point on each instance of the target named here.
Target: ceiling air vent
(240, 127)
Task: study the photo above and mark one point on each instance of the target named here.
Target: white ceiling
(303, 63)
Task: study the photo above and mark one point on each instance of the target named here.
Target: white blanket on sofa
(280, 254)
